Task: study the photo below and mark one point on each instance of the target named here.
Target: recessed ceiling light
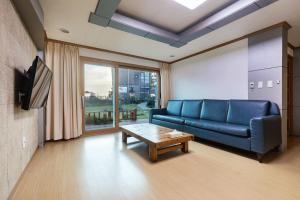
(64, 30)
(190, 4)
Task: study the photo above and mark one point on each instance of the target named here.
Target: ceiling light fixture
(190, 4)
(64, 30)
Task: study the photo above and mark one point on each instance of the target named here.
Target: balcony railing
(103, 117)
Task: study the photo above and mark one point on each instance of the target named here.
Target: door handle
(83, 101)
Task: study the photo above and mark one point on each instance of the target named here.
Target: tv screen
(36, 85)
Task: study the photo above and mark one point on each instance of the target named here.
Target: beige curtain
(165, 73)
(64, 110)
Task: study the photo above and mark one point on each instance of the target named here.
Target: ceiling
(73, 15)
(167, 13)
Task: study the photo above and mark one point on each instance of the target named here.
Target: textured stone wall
(17, 52)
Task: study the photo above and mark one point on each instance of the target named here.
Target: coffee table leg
(124, 137)
(185, 148)
(153, 153)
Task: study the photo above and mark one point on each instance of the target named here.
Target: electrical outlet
(24, 142)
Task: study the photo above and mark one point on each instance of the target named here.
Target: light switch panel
(270, 84)
(260, 84)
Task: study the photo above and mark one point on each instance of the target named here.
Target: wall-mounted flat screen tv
(36, 85)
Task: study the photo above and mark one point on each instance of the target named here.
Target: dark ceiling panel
(194, 33)
(100, 21)
(264, 3)
(120, 25)
(235, 16)
(105, 15)
(160, 38)
(106, 8)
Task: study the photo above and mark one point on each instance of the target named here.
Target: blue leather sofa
(246, 124)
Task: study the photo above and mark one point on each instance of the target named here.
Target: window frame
(116, 65)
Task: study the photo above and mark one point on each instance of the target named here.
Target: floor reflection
(107, 160)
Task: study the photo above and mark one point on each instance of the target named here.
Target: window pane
(138, 93)
(99, 97)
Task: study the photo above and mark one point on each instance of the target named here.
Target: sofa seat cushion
(226, 128)
(169, 118)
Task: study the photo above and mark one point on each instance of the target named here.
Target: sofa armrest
(265, 133)
(162, 111)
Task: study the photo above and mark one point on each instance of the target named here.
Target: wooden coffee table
(157, 139)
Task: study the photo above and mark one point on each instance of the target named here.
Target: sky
(98, 79)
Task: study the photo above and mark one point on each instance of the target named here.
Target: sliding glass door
(115, 95)
(99, 97)
(138, 93)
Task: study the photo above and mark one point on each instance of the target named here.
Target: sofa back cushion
(242, 111)
(174, 107)
(215, 110)
(191, 108)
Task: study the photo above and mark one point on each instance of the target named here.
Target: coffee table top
(154, 134)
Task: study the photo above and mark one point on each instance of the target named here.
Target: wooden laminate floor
(102, 168)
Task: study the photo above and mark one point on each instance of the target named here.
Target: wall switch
(270, 84)
(260, 84)
(24, 142)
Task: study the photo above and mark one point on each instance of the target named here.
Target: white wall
(116, 57)
(219, 74)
